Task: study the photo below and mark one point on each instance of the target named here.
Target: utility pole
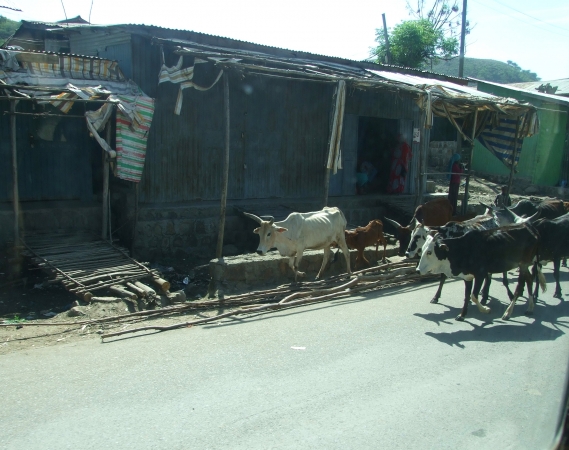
(462, 35)
(387, 52)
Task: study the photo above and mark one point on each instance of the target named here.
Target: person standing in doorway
(456, 168)
(401, 156)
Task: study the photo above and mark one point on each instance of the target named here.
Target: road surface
(384, 370)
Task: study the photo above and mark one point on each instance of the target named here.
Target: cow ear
(256, 230)
(282, 230)
(444, 247)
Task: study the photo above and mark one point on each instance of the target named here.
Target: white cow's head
(418, 239)
(267, 232)
(434, 257)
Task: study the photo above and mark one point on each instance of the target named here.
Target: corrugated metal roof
(532, 86)
(539, 95)
(58, 26)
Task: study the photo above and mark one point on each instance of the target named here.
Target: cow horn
(533, 218)
(270, 219)
(491, 208)
(254, 217)
(392, 222)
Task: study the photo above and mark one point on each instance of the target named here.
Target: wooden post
(326, 186)
(386, 37)
(514, 153)
(465, 198)
(134, 219)
(104, 233)
(422, 163)
(16, 192)
(219, 250)
(462, 37)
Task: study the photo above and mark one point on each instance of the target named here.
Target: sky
(533, 34)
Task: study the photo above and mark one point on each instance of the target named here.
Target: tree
(414, 42)
(443, 14)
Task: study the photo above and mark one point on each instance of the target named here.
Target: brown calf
(434, 213)
(362, 237)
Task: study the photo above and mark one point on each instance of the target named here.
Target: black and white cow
(554, 244)
(457, 229)
(480, 252)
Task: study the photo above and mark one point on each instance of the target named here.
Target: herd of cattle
(468, 247)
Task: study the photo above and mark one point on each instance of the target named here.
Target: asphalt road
(385, 370)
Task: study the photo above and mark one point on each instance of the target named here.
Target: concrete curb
(273, 268)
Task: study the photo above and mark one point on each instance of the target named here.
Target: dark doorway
(376, 139)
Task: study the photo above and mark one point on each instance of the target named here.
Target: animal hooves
(434, 300)
(505, 317)
(486, 310)
(557, 295)
(459, 318)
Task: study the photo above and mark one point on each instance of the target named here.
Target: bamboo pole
(106, 168)
(15, 190)
(514, 154)
(219, 250)
(465, 198)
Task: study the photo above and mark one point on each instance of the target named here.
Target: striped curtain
(499, 136)
(133, 125)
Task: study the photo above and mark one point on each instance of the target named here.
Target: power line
(531, 17)
(521, 20)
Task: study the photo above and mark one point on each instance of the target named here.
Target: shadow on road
(549, 320)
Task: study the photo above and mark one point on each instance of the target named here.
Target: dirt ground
(29, 299)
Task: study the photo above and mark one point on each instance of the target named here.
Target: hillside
(486, 69)
(7, 28)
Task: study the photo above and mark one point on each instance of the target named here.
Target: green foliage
(16, 319)
(414, 42)
(7, 28)
(486, 69)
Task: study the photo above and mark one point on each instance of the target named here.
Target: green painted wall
(541, 159)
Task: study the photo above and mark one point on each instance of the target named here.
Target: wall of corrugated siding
(47, 170)
(90, 43)
(279, 133)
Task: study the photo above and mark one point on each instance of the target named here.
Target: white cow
(301, 231)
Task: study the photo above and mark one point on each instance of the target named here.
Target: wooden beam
(219, 249)
(15, 190)
(106, 168)
(514, 153)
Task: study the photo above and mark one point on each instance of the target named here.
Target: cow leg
(506, 283)
(467, 291)
(529, 280)
(363, 257)
(477, 286)
(345, 251)
(435, 299)
(517, 293)
(324, 262)
(564, 263)
(297, 260)
(557, 293)
(486, 289)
